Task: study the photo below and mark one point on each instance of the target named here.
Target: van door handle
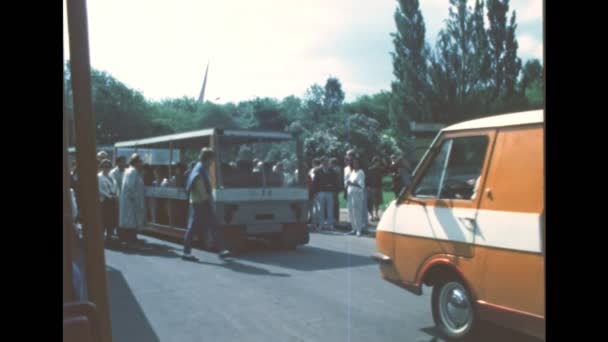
(468, 222)
(489, 193)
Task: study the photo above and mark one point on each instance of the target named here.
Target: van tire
(453, 309)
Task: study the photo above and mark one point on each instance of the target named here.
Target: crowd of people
(361, 187)
(125, 208)
(121, 196)
(123, 202)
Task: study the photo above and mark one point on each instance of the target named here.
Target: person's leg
(352, 215)
(113, 216)
(359, 205)
(375, 202)
(315, 211)
(121, 235)
(330, 210)
(336, 207)
(370, 202)
(379, 202)
(105, 219)
(190, 230)
(363, 211)
(211, 222)
(323, 202)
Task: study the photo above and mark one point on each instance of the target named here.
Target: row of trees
(473, 71)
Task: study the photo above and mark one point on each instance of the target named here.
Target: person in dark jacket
(374, 187)
(325, 184)
(333, 163)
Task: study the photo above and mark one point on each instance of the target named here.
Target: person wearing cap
(132, 211)
(108, 197)
(201, 214)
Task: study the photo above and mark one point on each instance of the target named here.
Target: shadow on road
(129, 323)
(143, 247)
(303, 258)
(235, 266)
(486, 332)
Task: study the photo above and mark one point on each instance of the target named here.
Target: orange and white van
(472, 226)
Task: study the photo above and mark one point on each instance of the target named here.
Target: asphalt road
(328, 290)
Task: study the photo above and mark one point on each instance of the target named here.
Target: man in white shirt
(108, 196)
(119, 171)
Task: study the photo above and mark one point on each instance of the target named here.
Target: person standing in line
(108, 197)
(333, 163)
(324, 185)
(118, 172)
(355, 184)
(132, 211)
(348, 160)
(374, 180)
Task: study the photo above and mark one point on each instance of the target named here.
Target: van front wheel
(452, 308)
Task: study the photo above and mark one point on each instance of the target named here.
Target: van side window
(455, 170)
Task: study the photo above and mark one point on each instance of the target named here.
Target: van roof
(514, 119)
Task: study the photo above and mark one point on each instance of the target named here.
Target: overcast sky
(265, 48)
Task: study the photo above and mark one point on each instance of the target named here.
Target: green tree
(411, 86)
(532, 83)
(313, 103)
(217, 116)
(181, 114)
(532, 72)
(268, 114)
(291, 107)
(120, 111)
(461, 65)
(333, 96)
(505, 65)
(375, 106)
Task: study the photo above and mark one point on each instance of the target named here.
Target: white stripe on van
(498, 229)
(511, 230)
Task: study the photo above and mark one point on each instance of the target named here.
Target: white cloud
(528, 46)
(256, 48)
(528, 10)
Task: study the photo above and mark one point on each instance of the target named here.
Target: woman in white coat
(132, 207)
(355, 183)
